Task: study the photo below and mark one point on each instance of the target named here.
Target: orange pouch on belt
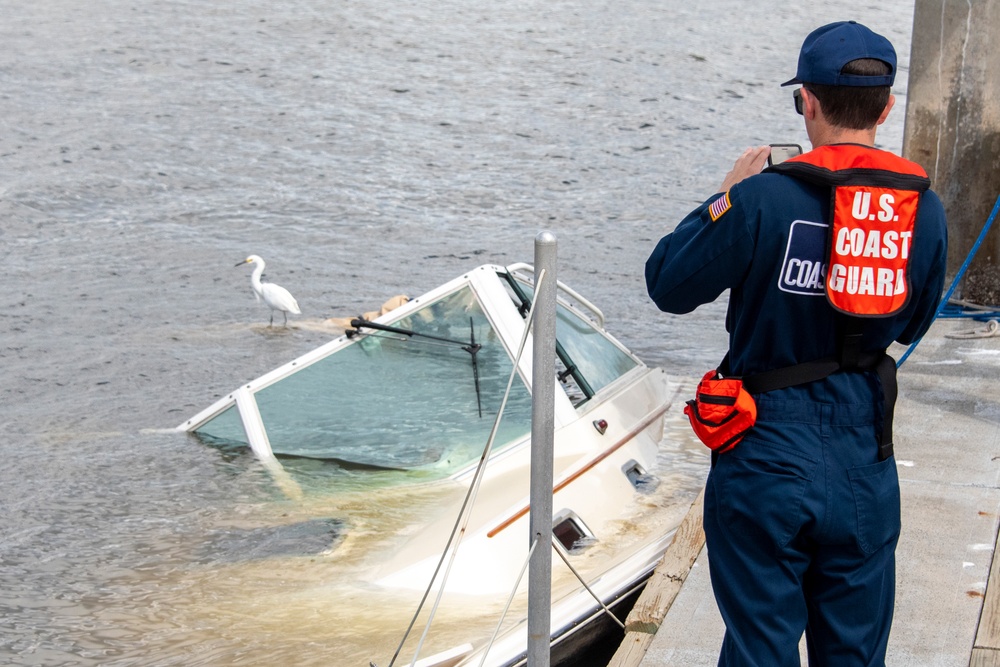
(722, 411)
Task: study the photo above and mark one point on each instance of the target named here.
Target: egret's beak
(243, 262)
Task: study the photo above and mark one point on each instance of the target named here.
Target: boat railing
(569, 291)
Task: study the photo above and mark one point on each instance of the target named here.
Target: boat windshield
(390, 400)
(586, 359)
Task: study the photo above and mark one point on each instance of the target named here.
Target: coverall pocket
(759, 488)
(876, 494)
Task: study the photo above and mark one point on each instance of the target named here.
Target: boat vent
(571, 532)
(640, 479)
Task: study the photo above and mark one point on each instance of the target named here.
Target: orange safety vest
(875, 196)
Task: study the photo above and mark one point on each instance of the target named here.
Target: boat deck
(948, 585)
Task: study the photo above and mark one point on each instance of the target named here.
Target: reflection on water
(370, 149)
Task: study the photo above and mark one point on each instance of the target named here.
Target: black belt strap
(779, 378)
(886, 370)
(810, 371)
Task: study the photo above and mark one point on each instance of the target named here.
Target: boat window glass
(600, 360)
(595, 356)
(225, 428)
(395, 401)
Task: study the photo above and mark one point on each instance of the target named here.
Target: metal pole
(543, 378)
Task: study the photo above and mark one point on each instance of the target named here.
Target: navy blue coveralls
(801, 518)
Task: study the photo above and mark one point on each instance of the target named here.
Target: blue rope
(958, 277)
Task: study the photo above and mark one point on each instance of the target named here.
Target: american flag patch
(719, 206)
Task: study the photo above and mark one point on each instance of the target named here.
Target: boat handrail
(583, 301)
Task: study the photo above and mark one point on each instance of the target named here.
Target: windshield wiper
(572, 370)
(472, 347)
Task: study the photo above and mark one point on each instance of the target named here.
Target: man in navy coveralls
(802, 516)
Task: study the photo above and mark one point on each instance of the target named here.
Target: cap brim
(791, 82)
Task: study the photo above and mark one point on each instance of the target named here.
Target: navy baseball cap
(827, 49)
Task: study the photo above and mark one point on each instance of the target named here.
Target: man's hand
(750, 163)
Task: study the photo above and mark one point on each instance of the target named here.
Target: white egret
(275, 296)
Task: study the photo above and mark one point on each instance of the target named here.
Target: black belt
(810, 371)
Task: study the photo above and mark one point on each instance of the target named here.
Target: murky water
(365, 149)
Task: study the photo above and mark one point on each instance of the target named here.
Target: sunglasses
(797, 97)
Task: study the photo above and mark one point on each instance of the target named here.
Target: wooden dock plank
(986, 650)
(662, 588)
(985, 657)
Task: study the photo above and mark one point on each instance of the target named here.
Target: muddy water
(365, 149)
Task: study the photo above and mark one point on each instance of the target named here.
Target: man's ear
(888, 108)
(810, 105)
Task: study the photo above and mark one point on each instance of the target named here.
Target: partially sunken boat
(405, 405)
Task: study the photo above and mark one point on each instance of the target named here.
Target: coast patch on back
(719, 207)
(803, 271)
